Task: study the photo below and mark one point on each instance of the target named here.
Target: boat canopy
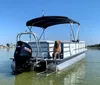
(46, 21)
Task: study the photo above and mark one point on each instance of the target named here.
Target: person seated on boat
(56, 50)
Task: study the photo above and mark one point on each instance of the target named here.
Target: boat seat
(47, 56)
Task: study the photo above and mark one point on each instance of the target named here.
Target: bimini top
(46, 21)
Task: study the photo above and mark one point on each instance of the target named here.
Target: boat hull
(71, 61)
(57, 65)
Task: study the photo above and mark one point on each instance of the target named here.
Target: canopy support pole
(30, 31)
(70, 35)
(77, 34)
(71, 31)
(44, 35)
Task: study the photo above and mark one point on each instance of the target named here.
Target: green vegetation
(94, 46)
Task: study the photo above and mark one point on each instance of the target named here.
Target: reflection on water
(71, 77)
(5, 71)
(8, 49)
(75, 76)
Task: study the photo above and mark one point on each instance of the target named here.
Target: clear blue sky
(15, 13)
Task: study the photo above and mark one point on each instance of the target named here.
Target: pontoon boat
(38, 54)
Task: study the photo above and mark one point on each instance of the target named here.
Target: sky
(15, 13)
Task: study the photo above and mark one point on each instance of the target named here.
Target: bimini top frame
(46, 21)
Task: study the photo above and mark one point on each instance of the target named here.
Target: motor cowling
(22, 55)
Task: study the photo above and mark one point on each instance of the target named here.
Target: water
(85, 72)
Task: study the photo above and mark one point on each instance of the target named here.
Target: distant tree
(7, 45)
(95, 45)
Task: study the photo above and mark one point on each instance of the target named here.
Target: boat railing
(77, 49)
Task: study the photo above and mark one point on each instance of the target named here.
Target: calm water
(85, 72)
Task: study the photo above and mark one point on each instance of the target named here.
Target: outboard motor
(22, 56)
